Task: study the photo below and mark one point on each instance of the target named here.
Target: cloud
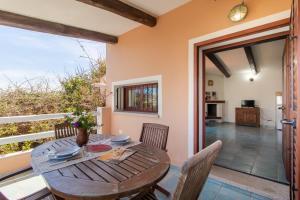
(28, 55)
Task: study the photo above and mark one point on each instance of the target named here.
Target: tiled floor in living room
(213, 189)
(252, 150)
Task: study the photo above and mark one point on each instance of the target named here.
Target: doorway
(250, 30)
(244, 82)
(270, 32)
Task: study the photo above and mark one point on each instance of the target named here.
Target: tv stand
(247, 116)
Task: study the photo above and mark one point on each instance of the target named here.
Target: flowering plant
(81, 119)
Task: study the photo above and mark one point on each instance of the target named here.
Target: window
(141, 95)
(138, 98)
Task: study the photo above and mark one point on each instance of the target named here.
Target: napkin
(118, 154)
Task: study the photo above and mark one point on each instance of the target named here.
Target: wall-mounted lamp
(238, 12)
(251, 79)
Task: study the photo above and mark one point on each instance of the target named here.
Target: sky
(28, 55)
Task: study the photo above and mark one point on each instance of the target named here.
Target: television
(248, 103)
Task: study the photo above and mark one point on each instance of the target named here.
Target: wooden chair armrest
(39, 195)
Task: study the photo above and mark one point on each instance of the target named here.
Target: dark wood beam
(124, 10)
(218, 64)
(250, 58)
(34, 24)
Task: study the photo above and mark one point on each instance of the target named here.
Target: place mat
(116, 155)
(42, 164)
(98, 148)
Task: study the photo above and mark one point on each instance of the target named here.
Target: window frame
(136, 83)
(141, 88)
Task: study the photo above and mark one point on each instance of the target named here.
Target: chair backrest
(155, 135)
(195, 172)
(2, 197)
(64, 130)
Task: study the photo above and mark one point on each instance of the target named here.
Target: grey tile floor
(213, 189)
(252, 150)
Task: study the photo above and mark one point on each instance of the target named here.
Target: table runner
(42, 163)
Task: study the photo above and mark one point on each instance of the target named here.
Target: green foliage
(77, 91)
(8, 130)
(81, 119)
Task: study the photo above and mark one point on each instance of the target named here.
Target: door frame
(262, 27)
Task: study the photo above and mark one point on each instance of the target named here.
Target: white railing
(26, 137)
(32, 118)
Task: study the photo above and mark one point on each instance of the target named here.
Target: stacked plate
(64, 153)
(120, 139)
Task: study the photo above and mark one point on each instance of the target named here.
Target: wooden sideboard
(247, 116)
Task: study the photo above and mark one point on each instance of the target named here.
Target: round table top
(95, 179)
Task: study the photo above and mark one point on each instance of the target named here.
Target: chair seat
(43, 194)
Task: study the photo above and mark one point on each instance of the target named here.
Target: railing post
(99, 120)
(103, 120)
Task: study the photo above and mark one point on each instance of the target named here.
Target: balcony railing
(33, 118)
(13, 161)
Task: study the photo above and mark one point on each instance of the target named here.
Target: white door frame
(227, 31)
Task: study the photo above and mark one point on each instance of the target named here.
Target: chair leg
(58, 198)
(162, 190)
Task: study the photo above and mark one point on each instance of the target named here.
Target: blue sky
(29, 55)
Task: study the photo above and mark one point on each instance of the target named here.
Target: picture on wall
(207, 96)
(210, 82)
(214, 95)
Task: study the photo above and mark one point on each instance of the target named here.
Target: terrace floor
(252, 150)
(218, 186)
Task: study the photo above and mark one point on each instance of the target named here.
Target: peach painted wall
(13, 162)
(163, 50)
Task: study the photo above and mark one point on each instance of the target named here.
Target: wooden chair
(156, 135)
(43, 194)
(193, 175)
(64, 130)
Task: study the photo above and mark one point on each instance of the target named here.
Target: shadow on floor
(252, 150)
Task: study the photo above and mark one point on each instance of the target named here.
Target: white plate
(54, 157)
(122, 142)
(120, 138)
(65, 151)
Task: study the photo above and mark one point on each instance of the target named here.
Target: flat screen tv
(248, 103)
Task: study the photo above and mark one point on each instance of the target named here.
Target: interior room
(242, 108)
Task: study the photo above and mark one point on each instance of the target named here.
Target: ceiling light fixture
(238, 12)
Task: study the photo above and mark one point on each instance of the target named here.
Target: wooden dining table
(96, 179)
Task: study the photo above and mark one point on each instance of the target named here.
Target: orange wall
(163, 50)
(13, 162)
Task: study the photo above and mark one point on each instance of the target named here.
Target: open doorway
(242, 106)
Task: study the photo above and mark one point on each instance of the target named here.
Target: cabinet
(247, 116)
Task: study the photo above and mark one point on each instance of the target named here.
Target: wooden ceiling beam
(222, 67)
(120, 8)
(35, 24)
(250, 58)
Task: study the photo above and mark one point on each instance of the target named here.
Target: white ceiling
(156, 7)
(237, 62)
(74, 13)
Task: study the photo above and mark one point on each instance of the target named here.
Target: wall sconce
(238, 12)
(251, 79)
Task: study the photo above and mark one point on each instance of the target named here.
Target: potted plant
(84, 122)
